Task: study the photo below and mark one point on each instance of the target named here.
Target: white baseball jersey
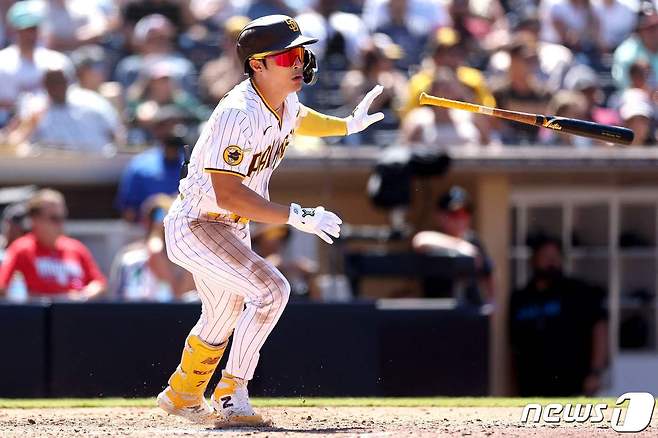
(241, 293)
(244, 137)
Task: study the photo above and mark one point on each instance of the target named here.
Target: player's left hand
(360, 119)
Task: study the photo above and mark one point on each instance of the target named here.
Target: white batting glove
(315, 221)
(359, 119)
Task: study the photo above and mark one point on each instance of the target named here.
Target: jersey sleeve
(92, 272)
(226, 144)
(8, 267)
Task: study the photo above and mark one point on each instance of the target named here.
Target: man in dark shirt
(520, 89)
(558, 329)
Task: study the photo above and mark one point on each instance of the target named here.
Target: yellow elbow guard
(316, 124)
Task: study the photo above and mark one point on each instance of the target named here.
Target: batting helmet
(274, 33)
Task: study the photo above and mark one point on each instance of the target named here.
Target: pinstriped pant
(238, 288)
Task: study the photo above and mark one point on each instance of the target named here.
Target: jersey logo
(233, 155)
(292, 24)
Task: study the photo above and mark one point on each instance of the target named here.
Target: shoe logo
(226, 402)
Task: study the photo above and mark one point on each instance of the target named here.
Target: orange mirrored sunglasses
(285, 59)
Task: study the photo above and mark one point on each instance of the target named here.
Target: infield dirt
(296, 422)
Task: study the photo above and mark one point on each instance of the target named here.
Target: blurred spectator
(220, 75)
(400, 30)
(23, 63)
(156, 170)
(553, 307)
(177, 12)
(69, 24)
(65, 118)
(554, 59)
(154, 41)
(215, 12)
(340, 34)
(14, 225)
(583, 79)
(616, 20)
(453, 219)
(641, 45)
(571, 104)
(433, 125)
(52, 264)
(270, 242)
(639, 76)
(141, 271)
(157, 88)
(425, 16)
(471, 29)
(444, 50)
(574, 24)
(260, 8)
(520, 89)
(638, 114)
(93, 88)
(376, 67)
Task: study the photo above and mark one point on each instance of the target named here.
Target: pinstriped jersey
(243, 137)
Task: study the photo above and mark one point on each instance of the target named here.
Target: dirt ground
(297, 422)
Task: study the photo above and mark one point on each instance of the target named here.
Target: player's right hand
(315, 221)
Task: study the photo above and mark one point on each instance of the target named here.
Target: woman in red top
(52, 264)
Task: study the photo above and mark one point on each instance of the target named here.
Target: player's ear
(257, 64)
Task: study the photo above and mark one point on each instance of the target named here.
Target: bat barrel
(613, 134)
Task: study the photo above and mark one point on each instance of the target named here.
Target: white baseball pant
(239, 289)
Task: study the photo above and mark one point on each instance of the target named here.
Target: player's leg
(203, 350)
(215, 251)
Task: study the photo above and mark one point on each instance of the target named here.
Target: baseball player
(226, 186)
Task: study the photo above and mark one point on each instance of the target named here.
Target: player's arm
(313, 123)
(234, 196)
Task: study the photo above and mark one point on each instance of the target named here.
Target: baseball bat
(613, 134)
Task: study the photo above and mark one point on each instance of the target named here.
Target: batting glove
(359, 119)
(315, 221)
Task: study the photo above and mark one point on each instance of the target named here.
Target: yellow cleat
(194, 408)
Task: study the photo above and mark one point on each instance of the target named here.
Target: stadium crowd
(92, 75)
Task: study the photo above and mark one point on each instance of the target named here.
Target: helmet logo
(292, 24)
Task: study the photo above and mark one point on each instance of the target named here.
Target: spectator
(376, 67)
(52, 264)
(638, 114)
(583, 79)
(574, 24)
(400, 30)
(520, 89)
(177, 12)
(551, 307)
(64, 118)
(141, 271)
(453, 219)
(260, 8)
(340, 34)
(23, 63)
(156, 170)
(154, 40)
(425, 16)
(617, 21)
(92, 87)
(220, 75)
(642, 45)
(445, 51)
(69, 24)
(158, 88)
(271, 242)
(14, 225)
(571, 104)
(433, 125)
(639, 76)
